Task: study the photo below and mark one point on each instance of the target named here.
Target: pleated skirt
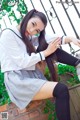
(23, 85)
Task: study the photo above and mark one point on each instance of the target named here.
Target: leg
(62, 101)
(60, 91)
(46, 88)
(66, 58)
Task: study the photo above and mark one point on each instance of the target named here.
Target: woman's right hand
(52, 47)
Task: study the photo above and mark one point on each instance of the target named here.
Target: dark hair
(42, 42)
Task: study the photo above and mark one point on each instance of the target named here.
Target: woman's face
(34, 26)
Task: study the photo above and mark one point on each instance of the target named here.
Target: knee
(61, 90)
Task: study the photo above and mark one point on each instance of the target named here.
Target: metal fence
(63, 16)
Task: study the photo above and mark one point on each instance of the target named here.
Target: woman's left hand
(76, 42)
(73, 40)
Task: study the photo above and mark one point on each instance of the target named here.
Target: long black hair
(41, 39)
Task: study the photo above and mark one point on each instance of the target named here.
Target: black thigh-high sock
(66, 58)
(62, 101)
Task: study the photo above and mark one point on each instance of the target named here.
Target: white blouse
(13, 55)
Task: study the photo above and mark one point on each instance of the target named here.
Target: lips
(27, 33)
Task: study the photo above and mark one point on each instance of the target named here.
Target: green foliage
(22, 7)
(7, 8)
(69, 70)
(50, 109)
(12, 14)
(4, 98)
(64, 70)
(47, 73)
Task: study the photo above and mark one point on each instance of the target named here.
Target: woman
(23, 80)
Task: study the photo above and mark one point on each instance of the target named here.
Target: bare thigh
(46, 91)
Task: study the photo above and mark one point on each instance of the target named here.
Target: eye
(33, 24)
(37, 31)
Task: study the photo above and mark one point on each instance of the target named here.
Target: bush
(63, 69)
(4, 98)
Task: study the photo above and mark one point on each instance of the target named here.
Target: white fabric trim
(63, 40)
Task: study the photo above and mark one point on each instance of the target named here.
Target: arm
(67, 39)
(18, 55)
(17, 52)
(64, 39)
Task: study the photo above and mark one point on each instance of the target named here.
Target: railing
(63, 15)
(54, 9)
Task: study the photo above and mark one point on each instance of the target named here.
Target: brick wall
(35, 111)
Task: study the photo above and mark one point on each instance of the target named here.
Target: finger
(55, 41)
(78, 44)
(57, 46)
(79, 41)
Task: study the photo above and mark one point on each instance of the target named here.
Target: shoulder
(6, 33)
(9, 31)
(7, 37)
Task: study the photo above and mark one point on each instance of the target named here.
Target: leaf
(46, 110)
(50, 117)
